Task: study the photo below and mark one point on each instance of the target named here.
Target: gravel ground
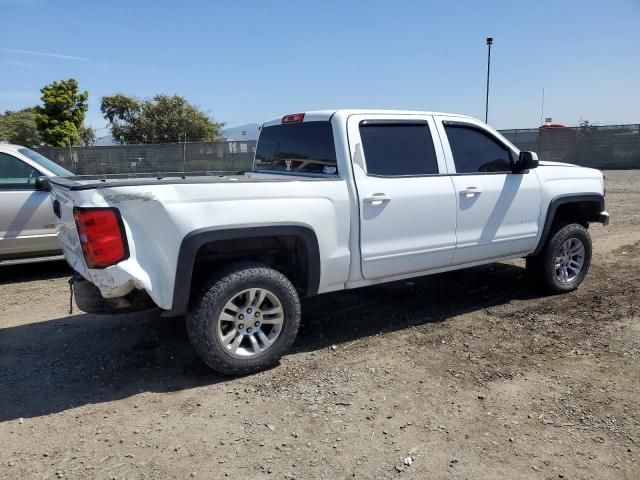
(468, 374)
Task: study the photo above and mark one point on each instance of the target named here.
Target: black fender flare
(563, 200)
(194, 240)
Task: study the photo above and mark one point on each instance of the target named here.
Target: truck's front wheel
(565, 259)
(245, 319)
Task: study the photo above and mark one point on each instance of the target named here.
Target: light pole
(184, 154)
(486, 105)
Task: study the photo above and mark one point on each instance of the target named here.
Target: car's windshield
(45, 162)
(305, 147)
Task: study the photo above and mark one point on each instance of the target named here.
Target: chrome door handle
(470, 191)
(377, 199)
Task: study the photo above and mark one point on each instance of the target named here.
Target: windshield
(305, 147)
(45, 162)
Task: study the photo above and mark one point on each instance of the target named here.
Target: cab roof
(325, 115)
(10, 147)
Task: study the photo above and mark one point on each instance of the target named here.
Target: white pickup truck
(336, 200)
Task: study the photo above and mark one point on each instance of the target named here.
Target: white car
(336, 200)
(27, 222)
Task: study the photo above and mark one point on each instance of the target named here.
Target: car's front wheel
(564, 261)
(245, 320)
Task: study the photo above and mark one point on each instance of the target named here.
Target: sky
(248, 61)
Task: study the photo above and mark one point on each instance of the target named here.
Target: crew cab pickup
(336, 200)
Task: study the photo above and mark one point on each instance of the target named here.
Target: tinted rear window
(397, 149)
(305, 147)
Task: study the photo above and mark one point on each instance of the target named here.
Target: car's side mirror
(526, 161)
(42, 184)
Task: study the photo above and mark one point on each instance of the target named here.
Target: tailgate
(67, 231)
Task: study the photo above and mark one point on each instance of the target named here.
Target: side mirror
(42, 184)
(526, 161)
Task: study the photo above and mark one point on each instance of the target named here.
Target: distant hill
(105, 141)
(243, 132)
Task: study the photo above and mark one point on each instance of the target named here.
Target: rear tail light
(102, 236)
(293, 118)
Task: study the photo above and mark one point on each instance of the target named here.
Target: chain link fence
(603, 147)
(151, 158)
(614, 147)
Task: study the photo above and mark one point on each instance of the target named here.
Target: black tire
(202, 320)
(541, 267)
(89, 299)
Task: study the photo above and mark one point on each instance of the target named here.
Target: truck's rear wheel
(245, 320)
(564, 262)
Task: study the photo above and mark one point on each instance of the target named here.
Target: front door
(498, 211)
(407, 202)
(27, 223)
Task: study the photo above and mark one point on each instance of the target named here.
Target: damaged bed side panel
(156, 218)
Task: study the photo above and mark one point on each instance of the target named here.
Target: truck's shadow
(59, 364)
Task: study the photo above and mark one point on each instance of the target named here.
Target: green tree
(20, 127)
(63, 111)
(87, 136)
(122, 112)
(161, 119)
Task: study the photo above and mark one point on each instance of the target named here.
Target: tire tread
(199, 320)
(541, 267)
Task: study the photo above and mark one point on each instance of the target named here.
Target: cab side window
(477, 152)
(400, 148)
(16, 174)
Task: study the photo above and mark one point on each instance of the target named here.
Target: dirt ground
(464, 375)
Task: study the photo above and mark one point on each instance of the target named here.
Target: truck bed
(159, 211)
(88, 182)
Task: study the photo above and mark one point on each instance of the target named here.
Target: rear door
(27, 223)
(498, 211)
(407, 202)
